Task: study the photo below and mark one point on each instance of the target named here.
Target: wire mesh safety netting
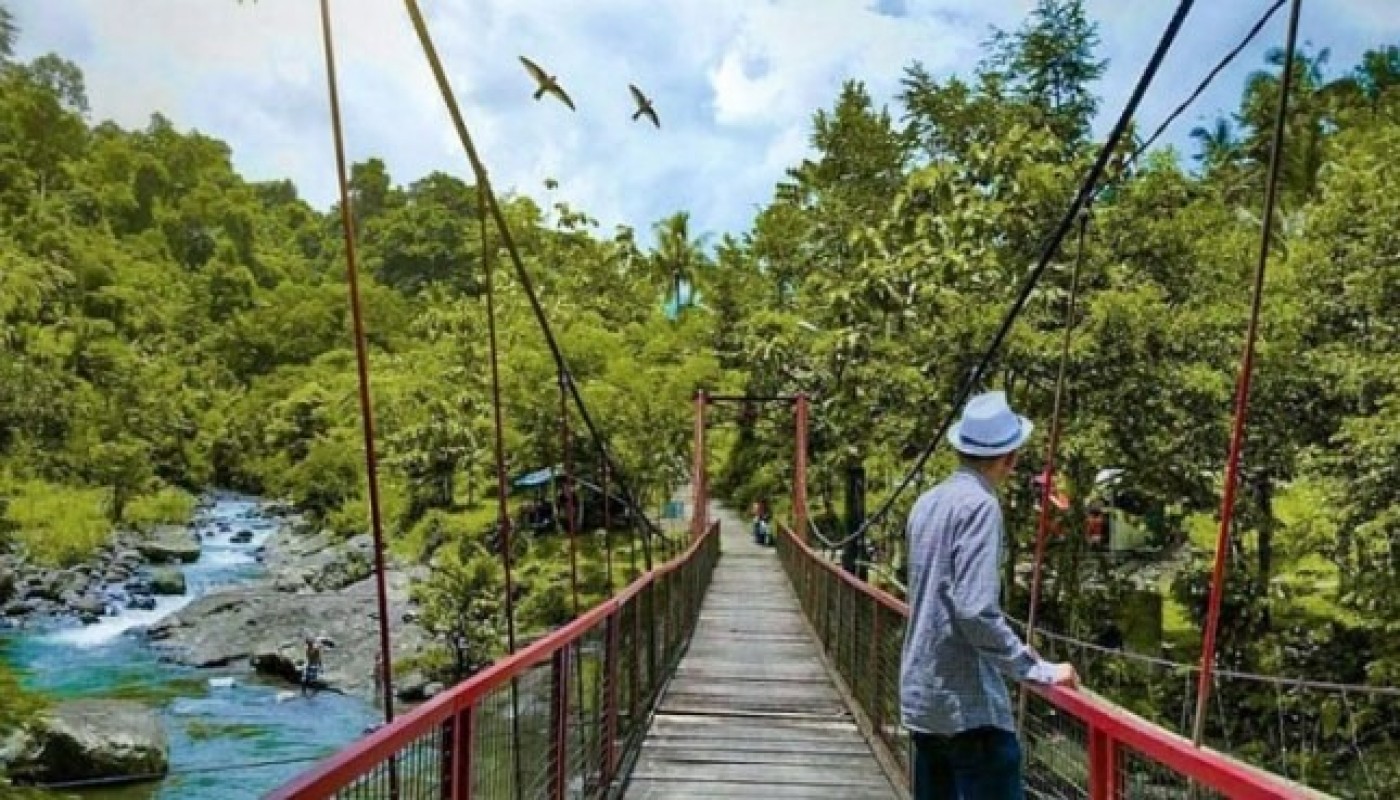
(1072, 749)
(562, 718)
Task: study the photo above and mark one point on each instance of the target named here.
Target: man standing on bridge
(958, 646)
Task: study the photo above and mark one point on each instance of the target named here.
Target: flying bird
(548, 84)
(643, 106)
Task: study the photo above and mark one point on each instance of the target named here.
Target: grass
(1177, 624)
(166, 506)
(439, 526)
(202, 730)
(58, 525)
(61, 526)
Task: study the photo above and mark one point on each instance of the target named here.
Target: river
(222, 738)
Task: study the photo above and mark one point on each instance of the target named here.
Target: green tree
(1051, 65)
(679, 258)
(461, 606)
(8, 33)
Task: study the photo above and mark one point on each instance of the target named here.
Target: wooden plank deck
(751, 711)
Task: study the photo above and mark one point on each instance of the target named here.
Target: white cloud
(787, 56)
(1382, 16)
(735, 81)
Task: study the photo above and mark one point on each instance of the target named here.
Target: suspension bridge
(734, 671)
(730, 670)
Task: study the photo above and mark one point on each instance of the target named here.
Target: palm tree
(1311, 119)
(1218, 143)
(8, 33)
(678, 257)
(1379, 72)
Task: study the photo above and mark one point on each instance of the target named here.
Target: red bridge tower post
(699, 516)
(799, 477)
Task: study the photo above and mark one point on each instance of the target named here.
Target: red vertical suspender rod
(568, 505)
(799, 478)
(1232, 463)
(607, 529)
(699, 491)
(503, 521)
(1052, 448)
(361, 365)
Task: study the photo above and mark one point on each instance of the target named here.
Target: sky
(735, 82)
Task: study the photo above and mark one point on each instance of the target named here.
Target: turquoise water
(220, 738)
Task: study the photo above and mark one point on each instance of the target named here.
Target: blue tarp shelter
(539, 477)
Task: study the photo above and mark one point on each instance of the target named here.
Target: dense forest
(887, 259)
(167, 326)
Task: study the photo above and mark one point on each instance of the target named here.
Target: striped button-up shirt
(958, 646)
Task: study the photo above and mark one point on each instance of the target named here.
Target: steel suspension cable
(607, 527)
(454, 111)
(1042, 531)
(1052, 245)
(1196, 94)
(504, 524)
(567, 503)
(503, 520)
(1248, 677)
(347, 221)
(130, 778)
(1244, 382)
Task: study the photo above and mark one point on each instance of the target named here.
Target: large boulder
(167, 581)
(83, 740)
(18, 608)
(277, 660)
(411, 688)
(340, 566)
(168, 544)
(266, 629)
(89, 605)
(52, 585)
(319, 562)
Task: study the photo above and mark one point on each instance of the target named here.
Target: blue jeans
(980, 764)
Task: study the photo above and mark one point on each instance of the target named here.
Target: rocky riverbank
(82, 740)
(315, 586)
(246, 578)
(128, 572)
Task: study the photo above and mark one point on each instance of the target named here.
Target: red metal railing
(563, 717)
(1077, 744)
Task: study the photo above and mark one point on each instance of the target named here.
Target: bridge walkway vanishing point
(752, 710)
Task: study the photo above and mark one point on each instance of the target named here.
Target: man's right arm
(973, 598)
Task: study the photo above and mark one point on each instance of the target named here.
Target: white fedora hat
(989, 427)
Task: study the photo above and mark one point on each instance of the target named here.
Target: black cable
(114, 780)
(479, 169)
(1196, 95)
(1081, 198)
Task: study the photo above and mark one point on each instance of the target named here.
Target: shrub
(58, 525)
(166, 506)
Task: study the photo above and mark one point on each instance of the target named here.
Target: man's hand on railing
(1064, 675)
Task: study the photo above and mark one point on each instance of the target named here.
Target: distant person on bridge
(762, 528)
(958, 647)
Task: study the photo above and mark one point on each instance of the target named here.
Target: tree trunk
(120, 497)
(459, 654)
(1264, 498)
